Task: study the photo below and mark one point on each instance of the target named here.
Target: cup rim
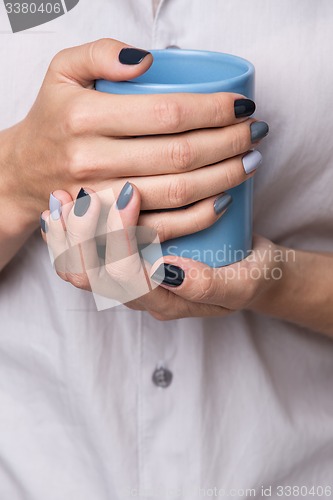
(248, 66)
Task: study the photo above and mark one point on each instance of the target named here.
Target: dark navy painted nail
(82, 203)
(259, 130)
(43, 224)
(132, 56)
(168, 274)
(244, 107)
(222, 203)
(125, 196)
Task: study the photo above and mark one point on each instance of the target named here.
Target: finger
(179, 190)
(191, 280)
(99, 59)
(66, 201)
(172, 224)
(43, 222)
(60, 204)
(82, 260)
(231, 287)
(164, 305)
(123, 262)
(169, 153)
(120, 115)
(188, 309)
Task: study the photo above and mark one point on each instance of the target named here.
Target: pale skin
(75, 136)
(71, 138)
(271, 281)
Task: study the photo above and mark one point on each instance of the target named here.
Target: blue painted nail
(251, 161)
(125, 196)
(55, 207)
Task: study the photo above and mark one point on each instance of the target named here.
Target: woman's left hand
(207, 291)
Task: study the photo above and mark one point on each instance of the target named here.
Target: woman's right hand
(74, 136)
(116, 269)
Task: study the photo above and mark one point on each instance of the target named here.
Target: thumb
(106, 58)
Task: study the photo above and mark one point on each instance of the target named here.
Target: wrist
(273, 282)
(19, 210)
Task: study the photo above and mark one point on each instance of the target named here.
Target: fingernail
(244, 107)
(168, 274)
(222, 203)
(82, 203)
(55, 207)
(251, 161)
(132, 56)
(259, 130)
(43, 224)
(125, 196)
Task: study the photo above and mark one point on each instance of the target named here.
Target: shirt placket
(169, 382)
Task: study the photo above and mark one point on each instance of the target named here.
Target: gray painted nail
(222, 203)
(82, 203)
(251, 161)
(125, 196)
(55, 207)
(259, 130)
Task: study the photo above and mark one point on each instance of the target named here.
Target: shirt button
(172, 47)
(162, 377)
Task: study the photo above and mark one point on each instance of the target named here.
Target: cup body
(174, 70)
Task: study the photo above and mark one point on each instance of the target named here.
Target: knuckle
(76, 162)
(72, 161)
(237, 142)
(75, 118)
(181, 154)
(75, 238)
(118, 270)
(168, 114)
(94, 47)
(206, 290)
(98, 47)
(178, 192)
(218, 109)
(57, 60)
(232, 177)
(198, 222)
(159, 228)
(96, 50)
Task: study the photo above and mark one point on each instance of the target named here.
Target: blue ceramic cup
(229, 239)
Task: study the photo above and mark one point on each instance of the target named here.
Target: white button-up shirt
(236, 403)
